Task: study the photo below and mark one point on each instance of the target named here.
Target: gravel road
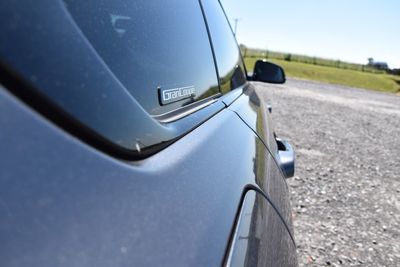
(346, 192)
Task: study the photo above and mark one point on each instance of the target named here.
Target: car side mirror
(268, 72)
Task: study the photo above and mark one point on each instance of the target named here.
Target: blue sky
(349, 30)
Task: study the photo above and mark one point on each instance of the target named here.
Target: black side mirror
(267, 72)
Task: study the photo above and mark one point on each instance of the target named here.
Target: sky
(348, 30)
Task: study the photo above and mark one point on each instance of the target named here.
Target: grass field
(257, 53)
(354, 78)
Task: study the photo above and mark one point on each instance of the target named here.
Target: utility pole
(236, 23)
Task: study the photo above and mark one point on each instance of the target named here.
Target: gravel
(346, 192)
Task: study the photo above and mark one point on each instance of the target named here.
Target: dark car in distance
(131, 135)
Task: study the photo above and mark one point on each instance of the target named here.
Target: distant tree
(370, 61)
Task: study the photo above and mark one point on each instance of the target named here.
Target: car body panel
(254, 112)
(63, 203)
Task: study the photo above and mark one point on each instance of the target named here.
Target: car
(131, 135)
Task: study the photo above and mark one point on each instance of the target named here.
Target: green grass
(354, 78)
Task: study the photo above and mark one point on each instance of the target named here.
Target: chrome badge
(168, 96)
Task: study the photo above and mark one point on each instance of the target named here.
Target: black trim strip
(211, 44)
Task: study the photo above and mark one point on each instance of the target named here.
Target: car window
(159, 50)
(227, 53)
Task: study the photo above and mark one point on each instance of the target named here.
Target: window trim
(211, 44)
